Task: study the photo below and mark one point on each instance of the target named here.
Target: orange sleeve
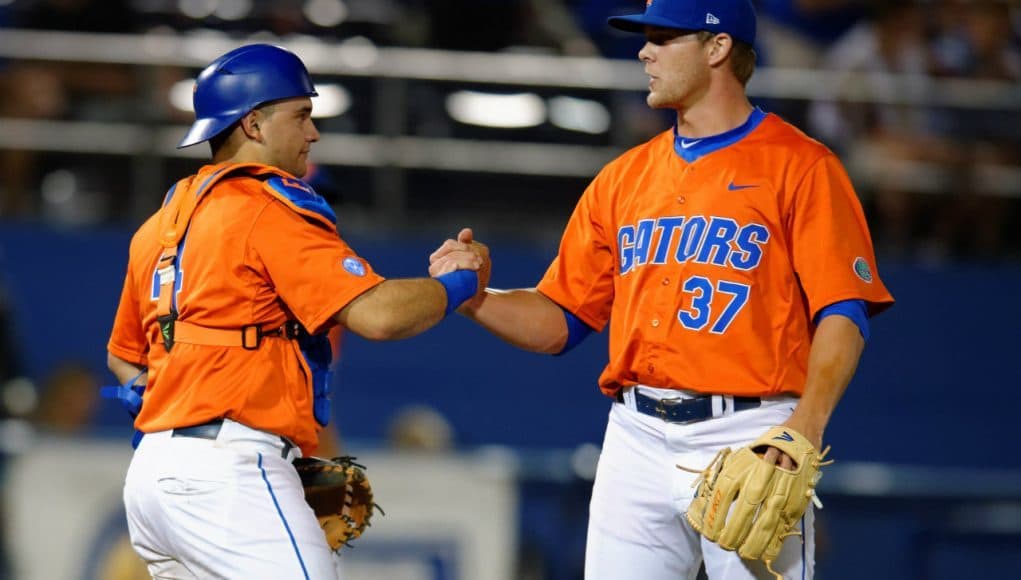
(832, 250)
(127, 339)
(313, 271)
(580, 279)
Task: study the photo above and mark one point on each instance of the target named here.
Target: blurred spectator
(922, 164)
(34, 92)
(875, 139)
(420, 428)
(975, 40)
(553, 23)
(10, 367)
(18, 395)
(796, 33)
(12, 384)
(68, 400)
(44, 90)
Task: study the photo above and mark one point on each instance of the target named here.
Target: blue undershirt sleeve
(855, 310)
(576, 331)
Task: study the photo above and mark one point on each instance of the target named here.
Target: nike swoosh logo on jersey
(733, 187)
(689, 144)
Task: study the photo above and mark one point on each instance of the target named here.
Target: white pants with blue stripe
(229, 508)
(637, 527)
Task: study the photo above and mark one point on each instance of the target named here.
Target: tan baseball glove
(339, 494)
(747, 505)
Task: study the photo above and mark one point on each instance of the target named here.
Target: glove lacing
(817, 462)
(711, 471)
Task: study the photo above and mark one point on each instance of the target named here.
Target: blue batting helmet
(240, 81)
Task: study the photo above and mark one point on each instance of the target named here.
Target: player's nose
(645, 54)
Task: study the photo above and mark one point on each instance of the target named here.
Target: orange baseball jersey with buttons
(248, 257)
(710, 257)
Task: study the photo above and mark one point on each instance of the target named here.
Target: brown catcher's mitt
(748, 505)
(340, 496)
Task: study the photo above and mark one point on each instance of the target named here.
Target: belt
(690, 410)
(211, 430)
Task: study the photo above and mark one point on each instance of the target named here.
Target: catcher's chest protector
(178, 209)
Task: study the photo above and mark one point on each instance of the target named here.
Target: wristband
(459, 285)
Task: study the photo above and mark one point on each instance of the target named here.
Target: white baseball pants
(229, 508)
(637, 528)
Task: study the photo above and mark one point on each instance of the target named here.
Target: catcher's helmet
(240, 81)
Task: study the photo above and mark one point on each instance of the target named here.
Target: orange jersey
(710, 272)
(249, 257)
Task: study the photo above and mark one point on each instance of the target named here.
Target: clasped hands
(464, 253)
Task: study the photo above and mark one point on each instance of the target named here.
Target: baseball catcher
(339, 494)
(750, 505)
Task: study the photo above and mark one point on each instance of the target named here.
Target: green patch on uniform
(861, 268)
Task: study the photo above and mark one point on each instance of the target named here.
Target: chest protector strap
(178, 208)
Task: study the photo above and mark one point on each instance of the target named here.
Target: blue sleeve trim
(576, 331)
(460, 286)
(855, 310)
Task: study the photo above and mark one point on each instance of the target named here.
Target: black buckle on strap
(251, 334)
(291, 329)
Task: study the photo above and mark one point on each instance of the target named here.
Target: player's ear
(250, 125)
(718, 48)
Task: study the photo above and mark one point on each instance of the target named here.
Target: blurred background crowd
(925, 114)
(437, 114)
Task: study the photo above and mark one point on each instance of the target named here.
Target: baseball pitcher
(731, 260)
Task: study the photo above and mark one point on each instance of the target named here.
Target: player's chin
(656, 101)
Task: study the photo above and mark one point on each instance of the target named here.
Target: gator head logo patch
(354, 266)
(861, 269)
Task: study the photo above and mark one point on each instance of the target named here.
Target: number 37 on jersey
(709, 305)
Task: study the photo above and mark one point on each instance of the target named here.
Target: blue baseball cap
(735, 17)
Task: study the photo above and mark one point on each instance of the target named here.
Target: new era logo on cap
(734, 17)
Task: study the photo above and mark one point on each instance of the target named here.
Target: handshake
(462, 254)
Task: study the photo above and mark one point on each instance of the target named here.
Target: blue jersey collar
(691, 149)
